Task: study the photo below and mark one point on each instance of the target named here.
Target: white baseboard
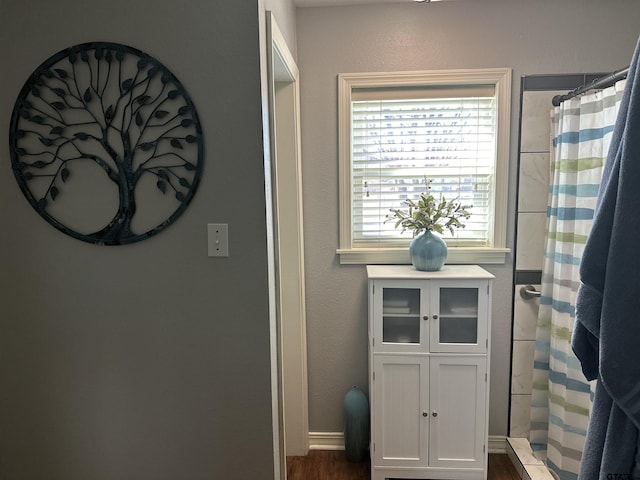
(335, 441)
(326, 441)
(497, 444)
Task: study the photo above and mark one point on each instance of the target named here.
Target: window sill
(400, 256)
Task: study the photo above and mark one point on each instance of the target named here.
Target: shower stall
(551, 409)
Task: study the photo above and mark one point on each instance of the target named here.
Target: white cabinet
(428, 357)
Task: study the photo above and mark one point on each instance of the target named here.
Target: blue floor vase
(356, 425)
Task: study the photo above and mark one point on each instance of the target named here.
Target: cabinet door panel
(399, 325)
(458, 404)
(459, 313)
(399, 427)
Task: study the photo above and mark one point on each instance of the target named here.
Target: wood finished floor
(333, 465)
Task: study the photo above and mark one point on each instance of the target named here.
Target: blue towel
(606, 335)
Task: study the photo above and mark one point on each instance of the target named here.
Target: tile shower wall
(533, 184)
(532, 206)
(534, 171)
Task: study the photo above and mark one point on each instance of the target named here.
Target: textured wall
(148, 361)
(530, 37)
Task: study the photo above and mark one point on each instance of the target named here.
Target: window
(398, 129)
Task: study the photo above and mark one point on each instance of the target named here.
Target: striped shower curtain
(581, 130)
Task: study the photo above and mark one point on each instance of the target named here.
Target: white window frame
(500, 78)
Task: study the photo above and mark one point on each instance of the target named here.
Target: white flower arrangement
(430, 214)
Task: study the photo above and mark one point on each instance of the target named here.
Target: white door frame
(291, 361)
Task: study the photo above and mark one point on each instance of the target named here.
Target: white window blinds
(399, 136)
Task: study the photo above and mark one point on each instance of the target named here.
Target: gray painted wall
(530, 37)
(147, 361)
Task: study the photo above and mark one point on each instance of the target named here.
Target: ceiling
(331, 3)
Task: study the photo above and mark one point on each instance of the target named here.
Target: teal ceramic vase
(356, 425)
(428, 252)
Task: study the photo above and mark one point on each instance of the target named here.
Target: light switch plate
(218, 239)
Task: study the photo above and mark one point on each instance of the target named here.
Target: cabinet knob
(435, 414)
(425, 414)
(435, 317)
(426, 317)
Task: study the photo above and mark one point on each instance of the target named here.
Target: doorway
(284, 123)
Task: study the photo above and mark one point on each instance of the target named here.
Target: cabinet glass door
(459, 319)
(400, 326)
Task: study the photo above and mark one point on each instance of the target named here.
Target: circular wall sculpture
(106, 144)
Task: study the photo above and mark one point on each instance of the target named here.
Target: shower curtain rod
(598, 83)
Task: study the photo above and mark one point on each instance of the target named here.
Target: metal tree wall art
(106, 144)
